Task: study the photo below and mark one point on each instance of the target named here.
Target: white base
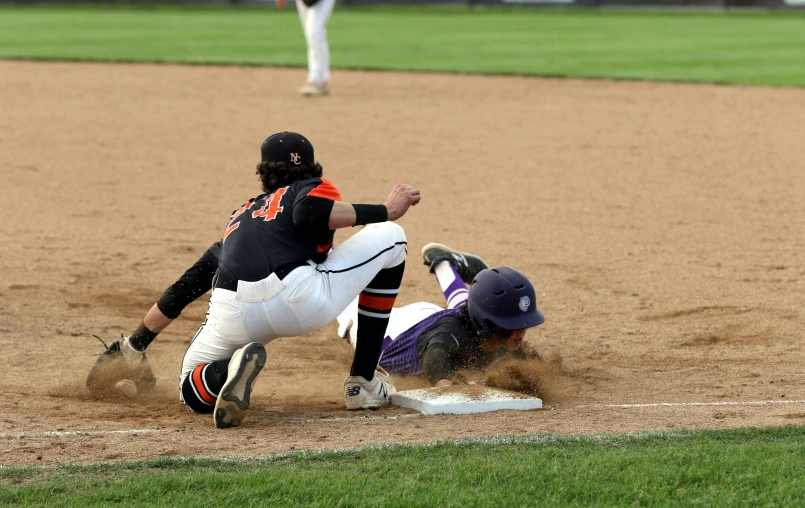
(463, 399)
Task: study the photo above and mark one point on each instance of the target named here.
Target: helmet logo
(524, 303)
(296, 159)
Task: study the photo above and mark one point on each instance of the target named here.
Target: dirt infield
(663, 224)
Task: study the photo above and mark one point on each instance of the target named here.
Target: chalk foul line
(60, 433)
(682, 404)
(362, 418)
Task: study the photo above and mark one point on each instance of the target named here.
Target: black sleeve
(313, 204)
(196, 281)
(312, 213)
(437, 362)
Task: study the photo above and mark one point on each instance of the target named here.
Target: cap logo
(524, 303)
(296, 159)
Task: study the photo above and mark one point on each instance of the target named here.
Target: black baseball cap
(288, 147)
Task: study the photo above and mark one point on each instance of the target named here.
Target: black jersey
(289, 225)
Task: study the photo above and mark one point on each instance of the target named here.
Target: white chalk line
(59, 433)
(682, 404)
(354, 418)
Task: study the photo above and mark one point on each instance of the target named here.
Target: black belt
(224, 282)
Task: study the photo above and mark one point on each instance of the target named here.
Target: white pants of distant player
(307, 299)
(314, 23)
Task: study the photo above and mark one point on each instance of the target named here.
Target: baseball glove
(114, 365)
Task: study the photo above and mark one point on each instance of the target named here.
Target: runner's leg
(454, 289)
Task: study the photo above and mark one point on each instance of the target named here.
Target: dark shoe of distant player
(467, 265)
(119, 361)
(362, 394)
(233, 400)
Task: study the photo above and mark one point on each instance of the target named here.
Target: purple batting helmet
(504, 297)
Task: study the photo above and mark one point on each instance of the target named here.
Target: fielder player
(479, 325)
(278, 275)
(314, 15)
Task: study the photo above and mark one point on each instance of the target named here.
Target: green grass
(747, 467)
(742, 49)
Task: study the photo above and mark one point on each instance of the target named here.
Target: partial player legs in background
(315, 89)
(314, 23)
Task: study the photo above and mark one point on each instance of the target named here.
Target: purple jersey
(401, 356)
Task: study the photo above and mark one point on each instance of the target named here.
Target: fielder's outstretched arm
(345, 215)
(196, 281)
(320, 209)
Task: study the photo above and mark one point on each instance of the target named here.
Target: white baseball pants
(307, 299)
(314, 23)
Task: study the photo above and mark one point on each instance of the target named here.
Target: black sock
(374, 308)
(141, 338)
(201, 387)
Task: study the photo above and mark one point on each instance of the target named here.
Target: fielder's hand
(114, 366)
(402, 197)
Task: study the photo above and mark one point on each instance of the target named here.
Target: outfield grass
(748, 467)
(741, 49)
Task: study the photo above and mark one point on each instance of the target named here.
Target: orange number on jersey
(237, 213)
(272, 206)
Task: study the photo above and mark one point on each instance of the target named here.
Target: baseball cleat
(315, 89)
(233, 401)
(467, 265)
(362, 394)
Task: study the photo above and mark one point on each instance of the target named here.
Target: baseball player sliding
(278, 275)
(314, 15)
(479, 325)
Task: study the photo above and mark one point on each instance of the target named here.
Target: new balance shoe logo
(353, 391)
(382, 391)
